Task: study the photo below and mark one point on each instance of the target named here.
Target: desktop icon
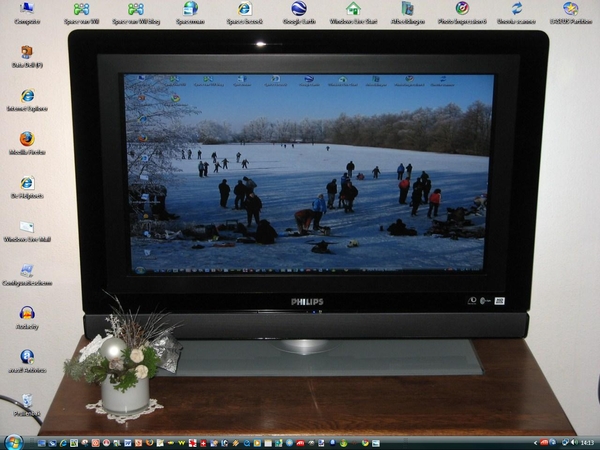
(462, 8)
(407, 9)
(299, 8)
(517, 8)
(27, 7)
(135, 8)
(27, 138)
(27, 313)
(190, 9)
(27, 95)
(81, 8)
(27, 357)
(245, 9)
(27, 400)
(26, 51)
(28, 183)
(571, 8)
(26, 270)
(26, 226)
(353, 9)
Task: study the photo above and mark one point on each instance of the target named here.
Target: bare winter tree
(155, 133)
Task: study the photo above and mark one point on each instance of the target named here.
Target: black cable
(23, 407)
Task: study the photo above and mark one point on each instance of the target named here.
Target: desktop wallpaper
(40, 298)
(294, 135)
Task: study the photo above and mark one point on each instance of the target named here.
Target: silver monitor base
(271, 358)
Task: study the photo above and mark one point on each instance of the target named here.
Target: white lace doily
(152, 406)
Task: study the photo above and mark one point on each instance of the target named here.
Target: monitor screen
(389, 186)
(302, 143)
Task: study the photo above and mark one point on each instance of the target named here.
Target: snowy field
(289, 179)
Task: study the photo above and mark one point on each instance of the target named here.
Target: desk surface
(511, 398)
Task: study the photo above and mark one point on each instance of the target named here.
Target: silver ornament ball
(112, 348)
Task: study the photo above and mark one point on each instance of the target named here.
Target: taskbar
(17, 442)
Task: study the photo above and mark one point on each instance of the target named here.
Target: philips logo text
(307, 302)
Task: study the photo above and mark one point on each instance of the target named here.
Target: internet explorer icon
(27, 95)
(245, 9)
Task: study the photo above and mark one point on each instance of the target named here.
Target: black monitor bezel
(246, 296)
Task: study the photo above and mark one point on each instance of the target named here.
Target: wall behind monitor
(564, 335)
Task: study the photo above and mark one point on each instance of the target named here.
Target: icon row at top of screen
(299, 8)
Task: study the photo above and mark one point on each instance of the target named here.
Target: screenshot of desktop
(285, 130)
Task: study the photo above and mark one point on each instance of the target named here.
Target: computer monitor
(291, 112)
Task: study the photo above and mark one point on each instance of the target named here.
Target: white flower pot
(134, 400)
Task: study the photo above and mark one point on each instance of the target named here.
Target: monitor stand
(322, 358)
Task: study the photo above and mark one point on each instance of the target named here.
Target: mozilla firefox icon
(27, 138)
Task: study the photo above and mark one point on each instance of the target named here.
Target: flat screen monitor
(309, 185)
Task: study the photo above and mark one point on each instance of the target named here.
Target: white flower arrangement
(125, 355)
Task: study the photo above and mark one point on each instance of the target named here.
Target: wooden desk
(512, 398)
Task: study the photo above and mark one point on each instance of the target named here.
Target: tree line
(446, 129)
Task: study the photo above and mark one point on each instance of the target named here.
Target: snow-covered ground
(289, 179)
